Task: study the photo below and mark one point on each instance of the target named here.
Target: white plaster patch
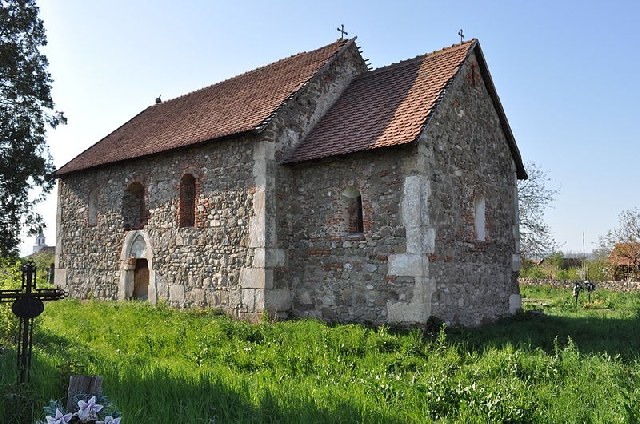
(251, 298)
(416, 311)
(257, 222)
(429, 241)
(60, 277)
(411, 212)
(405, 264)
(269, 258)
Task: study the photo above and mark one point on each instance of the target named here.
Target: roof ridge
(345, 45)
(423, 56)
(254, 70)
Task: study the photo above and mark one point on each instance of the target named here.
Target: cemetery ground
(569, 363)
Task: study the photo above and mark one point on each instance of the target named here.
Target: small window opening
(93, 208)
(479, 216)
(187, 211)
(133, 208)
(355, 219)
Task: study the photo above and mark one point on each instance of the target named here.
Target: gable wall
(300, 114)
(419, 254)
(465, 155)
(198, 266)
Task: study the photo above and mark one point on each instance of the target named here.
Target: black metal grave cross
(27, 304)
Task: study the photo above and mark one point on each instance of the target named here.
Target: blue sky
(564, 71)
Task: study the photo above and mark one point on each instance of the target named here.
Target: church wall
(232, 255)
(440, 224)
(470, 172)
(334, 275)
(293, 121)
(200, 265)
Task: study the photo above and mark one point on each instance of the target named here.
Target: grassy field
(569, 364)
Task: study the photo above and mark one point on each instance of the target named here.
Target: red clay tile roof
(234, 106)
(390, 106)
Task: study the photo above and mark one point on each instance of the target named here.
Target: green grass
(573, 363)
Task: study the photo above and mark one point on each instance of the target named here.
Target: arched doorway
(141, 280)
(137, 278)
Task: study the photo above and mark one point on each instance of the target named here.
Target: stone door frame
(136, 245)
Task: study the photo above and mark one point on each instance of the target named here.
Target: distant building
(625, 260)
(40, 243)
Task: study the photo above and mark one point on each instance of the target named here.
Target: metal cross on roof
(27, 304)
(461, 34)
(342, 31)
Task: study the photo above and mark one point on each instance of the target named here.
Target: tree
(534, 197)
(26, 111)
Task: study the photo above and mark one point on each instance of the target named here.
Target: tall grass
(574, 363)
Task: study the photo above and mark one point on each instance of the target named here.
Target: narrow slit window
(93, 208)
(355, 218)
(479, 217)
(187, 211)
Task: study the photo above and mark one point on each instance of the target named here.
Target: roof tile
(385, 107)
(242, 103)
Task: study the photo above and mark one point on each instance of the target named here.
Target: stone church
(312, 187)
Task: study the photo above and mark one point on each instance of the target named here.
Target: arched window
(355, 220)
(187, 211)
(133, 208)
(93, 208)
(479, 216)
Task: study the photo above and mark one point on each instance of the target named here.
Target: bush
(10, 278)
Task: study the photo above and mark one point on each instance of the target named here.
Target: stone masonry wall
(337, 276)
(419, 254)
(293, 121)
(466, 156)
(229, 258)
(276, 237)
(198, 265)
(621, 286)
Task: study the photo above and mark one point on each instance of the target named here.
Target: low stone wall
(622, 286)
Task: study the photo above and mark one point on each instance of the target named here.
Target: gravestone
(91, 385)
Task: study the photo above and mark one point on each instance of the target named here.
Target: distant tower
(40, 243)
